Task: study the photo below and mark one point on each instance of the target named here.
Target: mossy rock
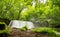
(4, 28)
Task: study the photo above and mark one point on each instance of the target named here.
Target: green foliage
(45, 30)
(55, 12)
(58, 35)
(23, 28)
(14, 10)
(57, 29)
(11, 9)
(3, 23)
(6, 30)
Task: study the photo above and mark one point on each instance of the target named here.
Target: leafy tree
(31, 10)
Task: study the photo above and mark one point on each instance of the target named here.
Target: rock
(27, 33)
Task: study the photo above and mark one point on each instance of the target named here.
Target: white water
(20, 24)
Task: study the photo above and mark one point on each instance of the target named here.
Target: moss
(57, 29)
(58, 35)
(23, 28)
(45, 30)
(6, 30)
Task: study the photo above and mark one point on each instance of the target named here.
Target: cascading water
(20, 24)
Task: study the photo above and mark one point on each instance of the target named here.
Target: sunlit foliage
(31, 10)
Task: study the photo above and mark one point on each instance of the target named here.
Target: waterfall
(20, 24)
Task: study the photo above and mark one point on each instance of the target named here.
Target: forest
(44, 13)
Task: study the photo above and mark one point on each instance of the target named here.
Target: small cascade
(20, 24)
